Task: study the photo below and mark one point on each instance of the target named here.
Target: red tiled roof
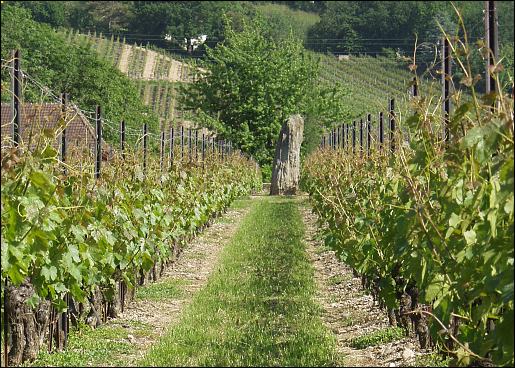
(35, 118)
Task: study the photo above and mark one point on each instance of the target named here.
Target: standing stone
(286, 169)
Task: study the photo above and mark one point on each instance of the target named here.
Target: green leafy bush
(436, 215)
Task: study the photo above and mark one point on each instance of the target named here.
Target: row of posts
(344, 136)
(221, 147)
(208, 143)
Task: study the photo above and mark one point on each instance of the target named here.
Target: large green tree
(251, 85)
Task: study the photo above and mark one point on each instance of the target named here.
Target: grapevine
(432, 223)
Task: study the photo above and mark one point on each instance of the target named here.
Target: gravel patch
(349, 311)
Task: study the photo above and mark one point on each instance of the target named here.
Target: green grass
(162, 290)
(237, 204)
(347, 321)
(378, 337)
(241, 203)
(257, 308)
(105, 345)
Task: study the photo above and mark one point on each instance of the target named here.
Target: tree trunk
(405, 308)
(391, 317)
(286, 169)
(94, 317)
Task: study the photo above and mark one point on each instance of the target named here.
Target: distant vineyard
(161, 96)
(100, 219)
(368, 79)
(136, 61)
(158, 74)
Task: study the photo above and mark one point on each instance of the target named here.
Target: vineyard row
(427, 221)
(75, 245)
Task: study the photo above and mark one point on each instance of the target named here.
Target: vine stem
(464, 347)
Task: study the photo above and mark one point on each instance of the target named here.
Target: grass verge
(105, 345)
(162, 290)
(257, 308)
(378, 337)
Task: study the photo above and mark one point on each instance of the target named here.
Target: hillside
(368, 79)
(156, 73)
(50, 62)
(135, 61)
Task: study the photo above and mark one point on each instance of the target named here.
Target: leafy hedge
(72, 234)
(434, 220)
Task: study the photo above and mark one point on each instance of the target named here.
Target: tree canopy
(252, 84)
(369, 26)
(75, 69)
(186, 19)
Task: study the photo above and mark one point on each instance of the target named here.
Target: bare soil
(349, 311)
(123, 64)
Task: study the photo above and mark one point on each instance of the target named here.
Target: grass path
(243, 293)
(124, 340)
(257, 288)
(258, 306)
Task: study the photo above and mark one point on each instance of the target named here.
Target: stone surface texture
(286, 168)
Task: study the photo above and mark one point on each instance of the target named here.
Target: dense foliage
(190, 19)
(144, 20)
(282, 20)
(307, 6)
(150, 21)
(434, 220)
(370, 26)
(70, 68)
(70, 233)
(101, 15)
